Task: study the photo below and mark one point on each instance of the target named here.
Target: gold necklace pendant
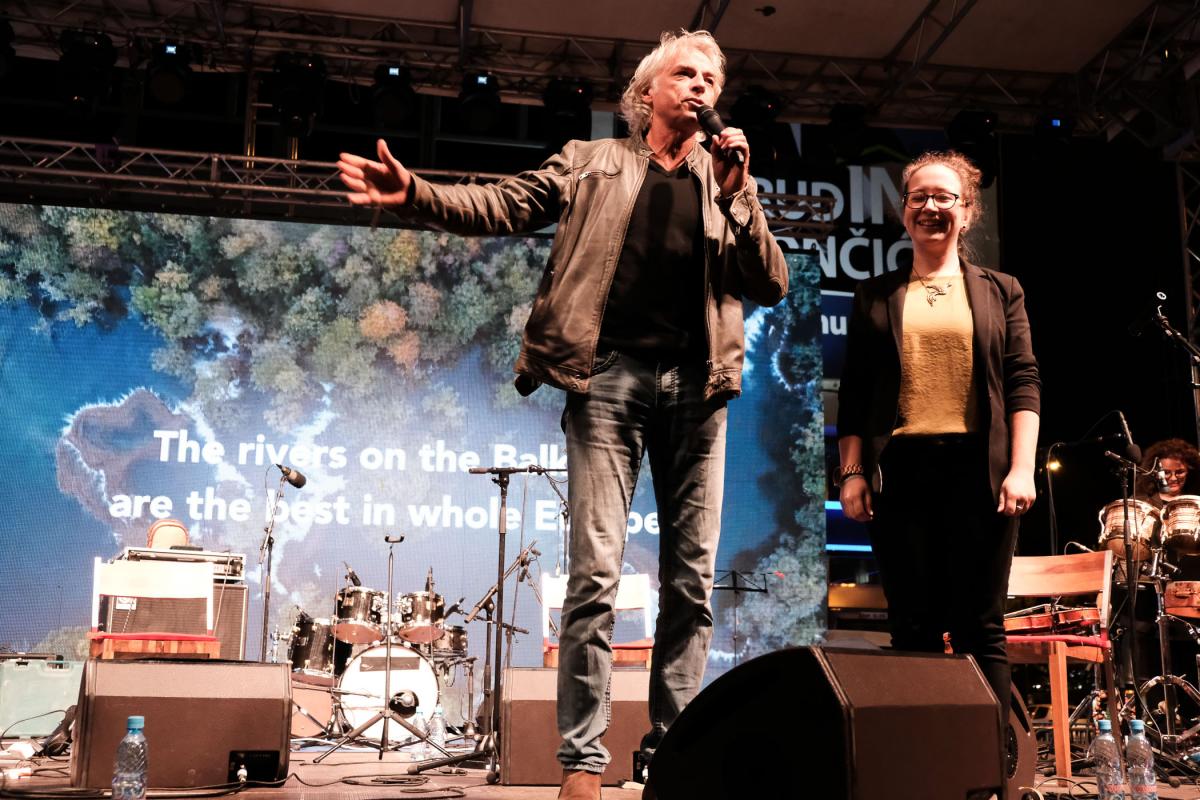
(933, 291)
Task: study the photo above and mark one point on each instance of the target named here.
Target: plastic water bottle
(417, 720)
(129, 770)
(1139, 758)
(437, 732)
(1105, 755)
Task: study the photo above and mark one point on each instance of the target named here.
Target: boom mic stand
(495, 609)
(265, 553)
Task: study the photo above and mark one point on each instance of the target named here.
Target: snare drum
(421, 615)
(1143, 519)
(358, 615)
(316, 656)
(453, 642)
(1181, 523)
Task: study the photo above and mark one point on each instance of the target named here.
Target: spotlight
(297, 87)
(84, 69)
(7, 54)
(972, 132)
(568, 105)
(395, 101)
(1055, 128)
(756, 108)
(568, 97)
(169, 70)
(479, 101)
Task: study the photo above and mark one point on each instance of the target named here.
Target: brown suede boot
(578, 784)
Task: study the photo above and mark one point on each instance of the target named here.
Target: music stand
(739, 583)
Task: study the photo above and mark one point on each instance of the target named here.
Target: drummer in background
(1172, 468)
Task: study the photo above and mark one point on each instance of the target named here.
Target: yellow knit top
(937, 375)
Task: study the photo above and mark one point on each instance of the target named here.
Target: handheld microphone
(712, 124)
(352, 575)
(429, 581)
(294, 477)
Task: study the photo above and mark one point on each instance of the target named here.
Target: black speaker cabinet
(140, 615)
(1021, 745)
(529, 726)
(838, 723)
(204, 719)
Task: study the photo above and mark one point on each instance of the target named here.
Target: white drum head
(361, 688)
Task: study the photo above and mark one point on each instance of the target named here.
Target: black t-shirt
(656, 301)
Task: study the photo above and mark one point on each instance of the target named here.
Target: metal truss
(54, 172)
(907, 88)
(1188, 173)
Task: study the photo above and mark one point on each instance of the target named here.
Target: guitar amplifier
(145, 614)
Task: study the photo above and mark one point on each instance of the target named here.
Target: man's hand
(385, 182)
(731, 176)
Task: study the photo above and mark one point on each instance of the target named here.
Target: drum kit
(1159, 538)
(339, 662)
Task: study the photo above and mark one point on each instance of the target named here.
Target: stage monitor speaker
(204, 719)
(145, 614)
(837, 724)
(529, 726)
(1021, 744)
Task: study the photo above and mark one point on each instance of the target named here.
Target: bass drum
(360, 688)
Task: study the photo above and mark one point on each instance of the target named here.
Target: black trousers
(943, 552)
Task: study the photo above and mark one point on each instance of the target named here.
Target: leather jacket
(589, 190)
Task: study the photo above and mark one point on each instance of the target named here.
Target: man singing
(638, 317)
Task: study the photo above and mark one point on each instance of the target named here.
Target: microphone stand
(388, 712)
(488, 744)
(1127, 471)
(266, 553)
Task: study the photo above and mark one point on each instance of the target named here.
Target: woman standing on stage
(937, 424)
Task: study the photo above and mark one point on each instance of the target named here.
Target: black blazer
(1005, 368)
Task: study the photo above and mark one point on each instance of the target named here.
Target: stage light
(972, 132)
(297, 88)
(568, 97)
(755, 109)
(1055, 128)
(568, 105)
(479, 101)
(168, 72)
(1054, 466)
(395, 100)
(84, 69)
(7, 53)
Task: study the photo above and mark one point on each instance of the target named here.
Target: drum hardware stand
(739, 583)
(403, 704)
(488, 744)
(266, 553)
(1170, 742)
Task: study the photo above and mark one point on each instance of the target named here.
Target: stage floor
(353, 774)
(362, 774)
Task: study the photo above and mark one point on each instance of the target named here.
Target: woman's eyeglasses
(943, 201)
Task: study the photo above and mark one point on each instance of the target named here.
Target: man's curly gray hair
(634, 107)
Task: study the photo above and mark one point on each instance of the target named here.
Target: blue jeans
(637, 407)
